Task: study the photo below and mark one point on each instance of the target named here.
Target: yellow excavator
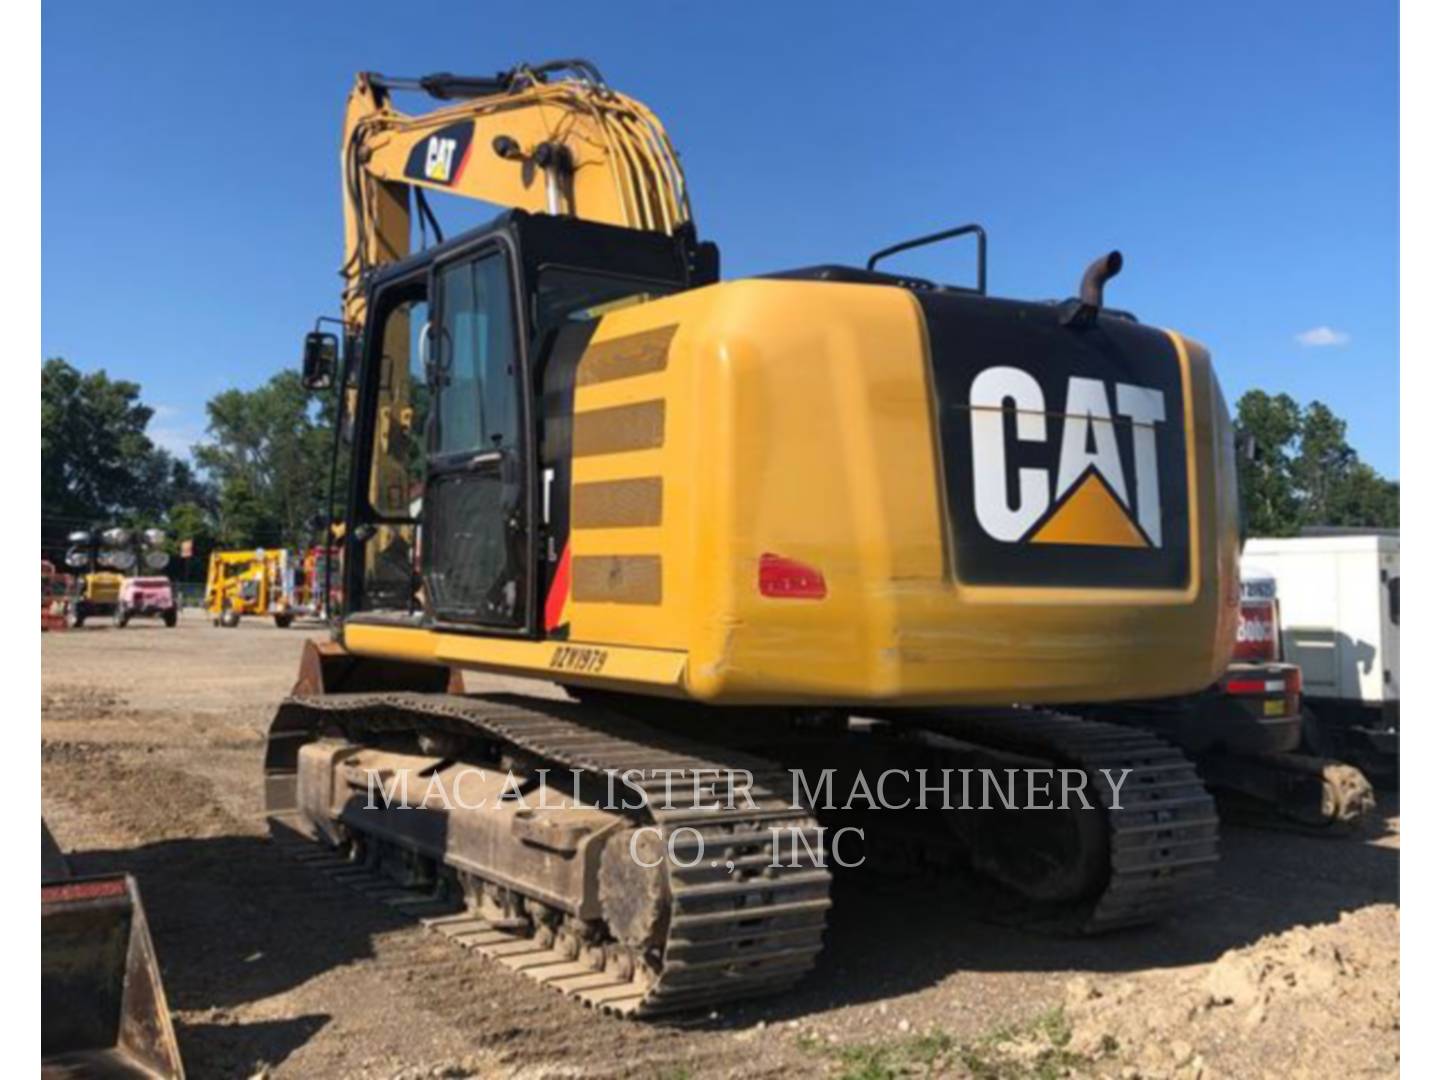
(780, 539)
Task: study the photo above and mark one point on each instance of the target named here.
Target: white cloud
(173, 432)
(1319, 337)
(178, 440)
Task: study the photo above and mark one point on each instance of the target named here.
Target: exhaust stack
(1081, 313)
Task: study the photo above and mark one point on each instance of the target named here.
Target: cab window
(477, 407)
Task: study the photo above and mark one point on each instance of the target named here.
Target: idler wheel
(635, 898)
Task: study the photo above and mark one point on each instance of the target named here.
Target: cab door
(476, 544)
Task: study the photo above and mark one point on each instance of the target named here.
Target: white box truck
(1339, 606)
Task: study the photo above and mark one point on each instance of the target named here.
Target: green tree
(97, 464)
(1272, 507)
(93, 446)
(269, 455)
(1322, 463)
(1363, 497)
(1305, 472)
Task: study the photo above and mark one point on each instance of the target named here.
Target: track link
(747, 918)
(1163, 833)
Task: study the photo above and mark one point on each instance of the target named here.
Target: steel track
(1163, 834)
(746, 919)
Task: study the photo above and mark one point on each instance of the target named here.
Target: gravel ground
(152, 743)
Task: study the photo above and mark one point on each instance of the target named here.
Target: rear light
(1257, 638)
(1292, 691)
(1270, 684)
(788, 579)
(1255, 686)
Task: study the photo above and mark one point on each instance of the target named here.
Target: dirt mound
(1291, 1004)
(171, 803)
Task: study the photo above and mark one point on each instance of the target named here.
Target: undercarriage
(699, 887)
(639, 871)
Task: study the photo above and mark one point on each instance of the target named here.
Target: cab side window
(476, 551)
(477, 408)
(390, 552)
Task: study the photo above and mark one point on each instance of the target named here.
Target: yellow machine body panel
(798, 491)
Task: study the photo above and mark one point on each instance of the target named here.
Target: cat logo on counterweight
(1083, 497)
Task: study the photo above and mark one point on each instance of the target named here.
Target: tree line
(263, 470)
(256, 481)
(1304, 473)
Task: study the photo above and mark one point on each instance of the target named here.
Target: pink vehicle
(152, 596)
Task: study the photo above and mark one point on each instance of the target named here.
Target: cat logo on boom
(1085, 498)
(441, 156)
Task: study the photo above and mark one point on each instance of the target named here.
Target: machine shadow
(236, 920)
(895, 935)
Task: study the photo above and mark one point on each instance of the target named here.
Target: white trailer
(1339, 599)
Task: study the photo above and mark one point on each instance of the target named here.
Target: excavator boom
(566, 145)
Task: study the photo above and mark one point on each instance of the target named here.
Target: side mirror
(317, 368)
(1246, 448)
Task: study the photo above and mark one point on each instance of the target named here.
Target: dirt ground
(152, 742)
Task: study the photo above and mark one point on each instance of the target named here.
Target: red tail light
(1293, 685)
(1257, 639)
(1254, 686)
(1268, 684)
(788, 579)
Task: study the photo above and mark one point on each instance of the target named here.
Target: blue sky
(1243, 156)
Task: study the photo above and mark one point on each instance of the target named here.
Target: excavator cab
(468, 345)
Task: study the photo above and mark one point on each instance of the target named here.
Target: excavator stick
(102, 1006)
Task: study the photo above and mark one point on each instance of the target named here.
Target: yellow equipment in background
(833, 520)
(258, 582)
(96, 593)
